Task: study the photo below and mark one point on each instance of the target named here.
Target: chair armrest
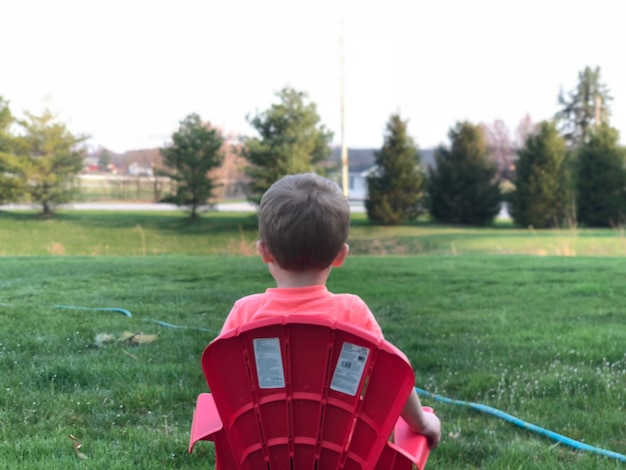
(410, 443)
(206, 420)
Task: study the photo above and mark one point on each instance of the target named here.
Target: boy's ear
(264, 252)
(341, 257)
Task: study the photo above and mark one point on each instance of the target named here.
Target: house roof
(358, 159)
(361, 159)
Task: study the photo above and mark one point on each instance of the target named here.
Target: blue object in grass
(525, 425)
(123, 311)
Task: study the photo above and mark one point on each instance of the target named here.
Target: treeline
(564, 171)
(567, 171)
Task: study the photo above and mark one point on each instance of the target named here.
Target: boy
(303, 228)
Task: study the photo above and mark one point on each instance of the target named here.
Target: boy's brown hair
(304, 221)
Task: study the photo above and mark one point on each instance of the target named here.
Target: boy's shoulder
(349, 297)
(250, 299)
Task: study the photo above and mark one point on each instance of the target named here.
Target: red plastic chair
(306, 394)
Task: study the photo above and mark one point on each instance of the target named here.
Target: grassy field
(540, 337)
(83, 233)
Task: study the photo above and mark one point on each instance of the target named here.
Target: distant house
(361, 164)
(90, 164)
(137, 169)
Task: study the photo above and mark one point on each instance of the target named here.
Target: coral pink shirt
(316, 301)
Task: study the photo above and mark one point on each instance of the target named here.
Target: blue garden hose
(128, 314)
(525, 425)
(109, 309)
(181, 327)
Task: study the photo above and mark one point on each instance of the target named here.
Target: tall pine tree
(195, 150)
(291, 140)
(542, 196)
(601, 179)
(584, 106)
(463, 187)
(396, 185)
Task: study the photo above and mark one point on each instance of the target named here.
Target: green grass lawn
(102, 233)
(540, 337)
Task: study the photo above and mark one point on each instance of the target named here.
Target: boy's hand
(431, 429)
(422, 420)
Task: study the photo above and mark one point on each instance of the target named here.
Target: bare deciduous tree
(501, 148)
(525, 128)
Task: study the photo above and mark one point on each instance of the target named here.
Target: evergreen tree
(578, 112)
(542, 196)
(12, 184)
(49, 160)
(601, 179)
(195, 150)
(395, 187)
(291, 140)
(463, 186)
(6, 119)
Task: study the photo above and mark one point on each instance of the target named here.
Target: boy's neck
(291, 279)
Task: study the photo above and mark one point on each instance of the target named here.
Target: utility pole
(344, 145)
(598, 109)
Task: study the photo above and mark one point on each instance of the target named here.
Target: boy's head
(304, 221)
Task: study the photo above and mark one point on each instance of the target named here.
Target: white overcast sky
(126, 72)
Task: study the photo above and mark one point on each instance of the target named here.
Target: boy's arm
(420, 421)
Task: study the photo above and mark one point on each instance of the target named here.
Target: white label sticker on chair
(269, 363)
(350, 368)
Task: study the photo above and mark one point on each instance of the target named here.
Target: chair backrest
(302, 393)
